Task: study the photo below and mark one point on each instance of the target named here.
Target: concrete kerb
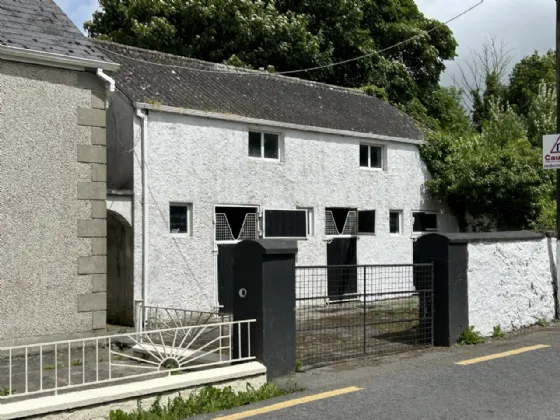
(97, 403)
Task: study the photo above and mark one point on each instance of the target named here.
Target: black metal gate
(390, 311)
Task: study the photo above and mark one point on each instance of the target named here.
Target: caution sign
(551, 151)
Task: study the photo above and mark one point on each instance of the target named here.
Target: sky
(526, 25)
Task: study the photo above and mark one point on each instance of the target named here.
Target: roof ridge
(234, 69)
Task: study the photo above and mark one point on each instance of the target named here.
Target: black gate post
(264, 282)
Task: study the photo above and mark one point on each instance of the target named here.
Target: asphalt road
(430, 385)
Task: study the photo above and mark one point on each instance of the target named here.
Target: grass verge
(207, 400)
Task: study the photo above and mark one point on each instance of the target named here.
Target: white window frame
(401, 220)
(383, 156)
(310, 220)
(262, 132)
(189, 209)
(425, 231)
(294, 238)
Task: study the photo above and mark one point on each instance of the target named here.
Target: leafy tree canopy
(294, 34)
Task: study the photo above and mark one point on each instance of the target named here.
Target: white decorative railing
(63, 366)
(156, 317)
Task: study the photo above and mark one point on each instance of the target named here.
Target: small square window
(179, 218)
(264, 145)
(395, 222)
(371, 156)
(366, 222)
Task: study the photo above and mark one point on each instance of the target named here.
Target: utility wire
(260, 73)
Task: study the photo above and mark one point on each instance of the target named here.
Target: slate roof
(147, 76)
(40, 25)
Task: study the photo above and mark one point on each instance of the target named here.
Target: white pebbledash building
(201, 156)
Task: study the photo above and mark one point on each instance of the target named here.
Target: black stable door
(342, 281)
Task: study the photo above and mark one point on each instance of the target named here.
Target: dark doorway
(120, 287)
(342, 281)
(225, 277)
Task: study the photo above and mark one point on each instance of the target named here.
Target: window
(424, 221)
(232, 223)
(180, 218)
(285, 224)
(395, 222)
(366, 222)
(310, 220)
(340, 221)
(264, 145)
(371, 156)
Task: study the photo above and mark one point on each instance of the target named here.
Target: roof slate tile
(42, 26)
(149, 75)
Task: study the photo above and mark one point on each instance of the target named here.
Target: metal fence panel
(349, 311)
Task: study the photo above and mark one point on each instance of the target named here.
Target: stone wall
(53, 184)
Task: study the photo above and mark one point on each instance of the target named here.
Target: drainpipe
(143, 115)
(111, 82)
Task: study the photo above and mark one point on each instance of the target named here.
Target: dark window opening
(285, 223)
(364, 155)
(395, 222)
(254, 144)
(235, 218)
(366, 221)
(424, 222)
(178, 218)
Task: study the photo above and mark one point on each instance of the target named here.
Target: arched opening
(120, 286)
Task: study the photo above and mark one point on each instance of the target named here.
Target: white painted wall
(510, 283)
(205, 162)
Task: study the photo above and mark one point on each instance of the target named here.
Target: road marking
(500, 355)
(289, 403)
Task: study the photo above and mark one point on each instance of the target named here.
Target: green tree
(493, 179)
(249, 32)
(294, 34)
(526, 78)
(494, 94)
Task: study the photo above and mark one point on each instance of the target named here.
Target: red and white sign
(551, 151)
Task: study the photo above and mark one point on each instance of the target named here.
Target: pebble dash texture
(510, 283)
(39, 171)
(205, 162)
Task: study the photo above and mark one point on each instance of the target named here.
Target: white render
(510, 283)
(205, 162)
